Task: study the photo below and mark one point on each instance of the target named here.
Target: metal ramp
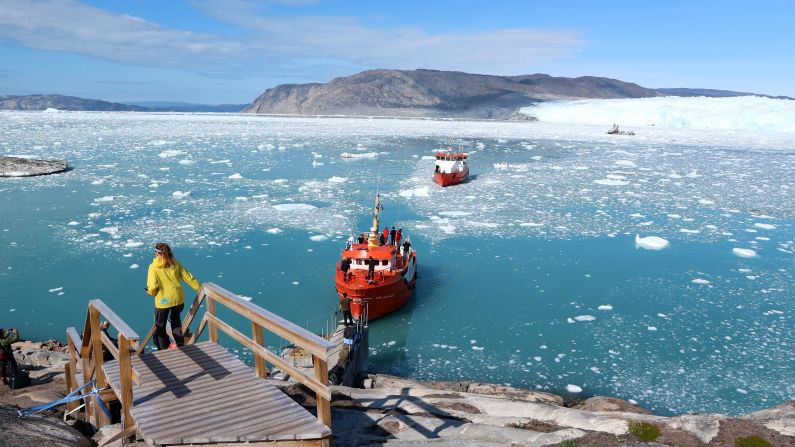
(200, 394)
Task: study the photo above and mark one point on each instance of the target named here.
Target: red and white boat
(451, 168)
(394, 273)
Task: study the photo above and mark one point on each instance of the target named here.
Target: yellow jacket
(163, 283)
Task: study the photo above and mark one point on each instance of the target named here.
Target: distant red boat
(451, 169)
(394, 274)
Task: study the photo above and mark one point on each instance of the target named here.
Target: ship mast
(373, 240)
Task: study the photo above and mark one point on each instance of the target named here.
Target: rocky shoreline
(26, 167)
(394, 410)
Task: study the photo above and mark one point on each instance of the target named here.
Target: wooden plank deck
(303, 360)
(201, 394)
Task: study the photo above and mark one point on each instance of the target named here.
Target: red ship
(451, 169)
(380, 277)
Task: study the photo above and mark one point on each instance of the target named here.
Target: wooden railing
(88, 351)
(261, 320)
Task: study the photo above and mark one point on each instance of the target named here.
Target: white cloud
(273, 43)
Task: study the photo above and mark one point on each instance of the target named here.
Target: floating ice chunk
(585, 318)
(170, 153)
(12, 310)
(611, 182)
(336, 179)
(113, 231)
(416, 192)
(98, 181)
(134, 266)
(247, 298)
(362, 155)
(569, 320)
(295, 283)
(687, 231)
(391, 343)
(294, 207)
(273, 230)
(705, 202)
(454, 213)
(73, 223)
(132, 244)
(650, 242)
(573, 388)
(701, 281)
(652, 328)
(187, 162)
(742, 391)
(428, 157)
(104, 199)
(319, 237)
(765, 226)
(235, 176)
(626, 163)
(605, 307)
(744, 252)
(530, 224)
(180, 194)
(57, 289)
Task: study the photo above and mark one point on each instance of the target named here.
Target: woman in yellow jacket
(163, 283)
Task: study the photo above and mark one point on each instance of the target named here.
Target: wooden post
(125, 377)
(211, 311)
(259, 362)
(71, 384)
(100, 418)
(323, 405)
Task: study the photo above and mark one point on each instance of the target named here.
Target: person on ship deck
(371, 268)
(345, 265)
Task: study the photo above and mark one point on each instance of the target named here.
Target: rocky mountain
(433, 93)
(61, 102)
(712, 93)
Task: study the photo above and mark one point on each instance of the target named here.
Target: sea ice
(319, 237)
(416, 192)
(573, 388)
(585, 318)
(170, 153)
(132, 244)
(294, 207)
(180, 194)
(765, 226)
(273, 230)
(611, 182)
(134, 266)
(744, 252)
(700, 281)
(336, 179)
(650, 242)
(235, 176)
(57, 289)
(605, 307)
(104, 199)
(362, 155)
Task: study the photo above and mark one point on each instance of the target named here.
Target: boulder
(37, 430)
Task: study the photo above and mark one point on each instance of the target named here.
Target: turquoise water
(529, 273)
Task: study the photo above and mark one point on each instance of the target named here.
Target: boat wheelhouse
(451, 168)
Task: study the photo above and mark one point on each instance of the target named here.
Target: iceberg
(650, 242)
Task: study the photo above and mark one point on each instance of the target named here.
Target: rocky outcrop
(61, 102)
(25, 167)
(37, 430)
(602, 403)
(433, 93)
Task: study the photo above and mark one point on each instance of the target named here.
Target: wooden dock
(200, 394)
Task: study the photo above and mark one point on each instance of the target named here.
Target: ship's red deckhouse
(394, 274)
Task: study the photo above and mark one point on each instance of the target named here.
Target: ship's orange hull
(388, 292)
(453, 178)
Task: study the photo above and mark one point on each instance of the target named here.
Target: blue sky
(231, 51)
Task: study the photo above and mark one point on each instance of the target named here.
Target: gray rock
(23, 167)
(603, 403)
(780, 418)
(37, 430)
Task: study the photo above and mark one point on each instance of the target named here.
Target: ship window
(358, 262)
(384, 262)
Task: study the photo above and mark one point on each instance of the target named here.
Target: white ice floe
(180, 194)
(294, 207)
(319, 237)
(573, 388)
(744, 252)
(132, 244)
(134, 266)
(742, 391)
(336, 179)
(73, 223)
(361, 155)
(651, 242)
(113, 231)
(235, 176)
(416, 192)
(626, 163)
(104, 199)
(585, 318)
(611, 182)
(765, 226)
(605, 307)
(273, 230)
(652, 328)
(187, 162)
(57, 289)
(171, 153)
(701, 281)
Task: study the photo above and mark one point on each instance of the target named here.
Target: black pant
(8, 362)
(346, 317)
(171, 314)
